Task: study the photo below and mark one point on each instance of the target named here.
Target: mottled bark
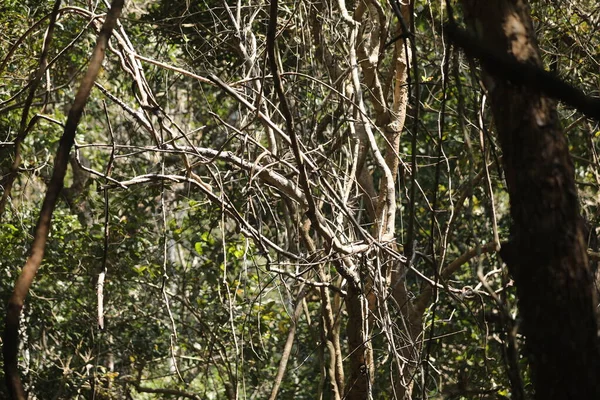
(547, 251)
(388, 95)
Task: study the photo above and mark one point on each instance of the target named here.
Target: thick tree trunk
(547, 251)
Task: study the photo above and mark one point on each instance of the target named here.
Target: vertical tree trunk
(358, 386)
(547, 251)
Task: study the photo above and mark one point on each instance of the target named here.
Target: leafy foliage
(184, 193)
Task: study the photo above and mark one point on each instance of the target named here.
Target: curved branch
(287, 348)
(425, 295)
(524, 74)
(23, 127)
(21, 289)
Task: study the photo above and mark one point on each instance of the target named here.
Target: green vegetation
(239, 244)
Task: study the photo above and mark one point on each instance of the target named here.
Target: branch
(314, 284)
(301, 160)
(15, 304)
(449, 270)
(23, 127)
(524, 74)
(167, 392)
(287, 348)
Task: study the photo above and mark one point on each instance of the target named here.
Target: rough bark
(547, 251)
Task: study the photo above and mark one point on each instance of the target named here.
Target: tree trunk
(547, 251)
(10, 348)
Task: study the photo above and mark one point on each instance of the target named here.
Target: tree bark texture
(547, 251)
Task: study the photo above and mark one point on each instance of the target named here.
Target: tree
(547, 252)
(17, 300)
(280, 200)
